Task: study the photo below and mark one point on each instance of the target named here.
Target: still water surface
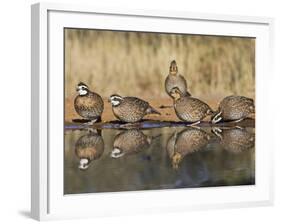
(111, 160)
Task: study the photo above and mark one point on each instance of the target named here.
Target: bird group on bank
(192, 110)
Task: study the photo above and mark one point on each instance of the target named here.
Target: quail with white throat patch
(87, 104)
(130, 109)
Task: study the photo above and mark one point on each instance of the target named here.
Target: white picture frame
(48, 201)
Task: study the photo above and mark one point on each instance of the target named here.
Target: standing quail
(235, 139)
(130, 142)
(175, 80)
(89, 147)
(88, 104)
(188, 108)
(234, 108)
(130, 109)
(186, 142)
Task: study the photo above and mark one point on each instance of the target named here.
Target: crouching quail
(188, 108)
(234, 108)
(87, 104)
(130, 109)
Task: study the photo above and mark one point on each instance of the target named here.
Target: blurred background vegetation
(137, 63)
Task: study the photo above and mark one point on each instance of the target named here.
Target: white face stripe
(115, 100)
(116, 153)
(84, 86)
(115, 97)
(82, 90)
(84, 164)
(218, 132)
(84, 161)
(217, 118)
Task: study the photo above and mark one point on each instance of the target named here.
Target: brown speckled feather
(236, 107)
(131, 141)
(132, 109)
(170, 146)
(191, 140)
(175, 81)
(89, 106)
(191, 109)
(90, 146)
(237, 140)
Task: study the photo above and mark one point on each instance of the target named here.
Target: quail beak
(109, 100)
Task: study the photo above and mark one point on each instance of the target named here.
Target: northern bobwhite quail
(129, 142)
(235, 139)
(234, 108)
(89, 147)
(88, 104)
(130, 109)
(175, 80)
(186, 142)
(188, 108)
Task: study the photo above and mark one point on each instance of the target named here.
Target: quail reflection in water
(130, 142)
(235, 139)
(201, 159)
(186, 142)
(89, 147)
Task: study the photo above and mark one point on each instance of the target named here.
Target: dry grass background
(133, 63)
(136, 64)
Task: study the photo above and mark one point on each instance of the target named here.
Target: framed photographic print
(148, 111)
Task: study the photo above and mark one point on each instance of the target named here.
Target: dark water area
(112, 160)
